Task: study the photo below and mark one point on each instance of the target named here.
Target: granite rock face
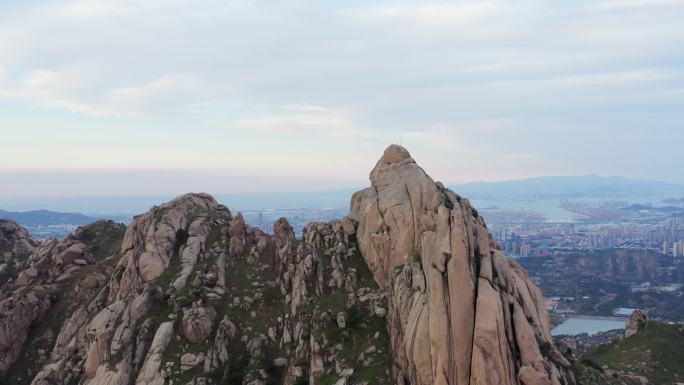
(637, 321)
(16, 245)
(410, 288)
(460, 312)
(45, 310)
(192, 295)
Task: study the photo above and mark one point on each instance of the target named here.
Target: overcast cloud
(475, 90)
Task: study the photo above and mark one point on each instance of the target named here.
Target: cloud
(607, 79)
(168, 94)
(88, 10)
(355, 57)
(431, 15)
(308, 120)
(44, 87)
(612, 4)
(175, 92)
(462, 135)
(588, 82)
(441, 136)
(351, 76)
(304, 119)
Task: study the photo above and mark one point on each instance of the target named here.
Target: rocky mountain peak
(177, 229)
(460, 312)
(393, 156)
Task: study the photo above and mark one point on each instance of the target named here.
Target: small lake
(589, 325)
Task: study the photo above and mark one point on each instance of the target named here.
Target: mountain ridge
(568, 186)
(409, 289)
(47, 217)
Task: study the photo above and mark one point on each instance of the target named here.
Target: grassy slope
(655, 352)
(103, 238)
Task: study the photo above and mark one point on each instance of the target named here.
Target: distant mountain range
(664, 209)
(47, 218)
(568, 187)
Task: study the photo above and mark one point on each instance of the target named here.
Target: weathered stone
(637, 321)
(197, 323)
(190, 360)
(341, 320)
(449, 320)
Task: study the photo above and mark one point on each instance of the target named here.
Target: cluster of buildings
(543, 238)
(585, 342)
(647, 287)
(676, 249)
(597, 225)
(51, 231)
(298, 218)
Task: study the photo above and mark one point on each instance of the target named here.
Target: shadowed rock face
(16, 244)
(460, 312)
(409, 289)
(44, 310)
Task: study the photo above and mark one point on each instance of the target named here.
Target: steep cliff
(460, 312)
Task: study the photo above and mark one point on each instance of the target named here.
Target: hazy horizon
(547, 189)
(27, 186)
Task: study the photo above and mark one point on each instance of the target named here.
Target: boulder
(197, 322)
(341, 320)
(191, 360)
(637, 321)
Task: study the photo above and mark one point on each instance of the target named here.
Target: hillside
(655, 352)
(604, 279)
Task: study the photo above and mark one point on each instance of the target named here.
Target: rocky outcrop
(195, 296)
(197, 323)
(47, 308)
(15, 240)
(637, 321)
(16, 245)
(460, 312)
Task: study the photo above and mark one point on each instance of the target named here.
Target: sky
(136, 97)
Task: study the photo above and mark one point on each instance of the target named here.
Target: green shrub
(448, 203)
(354, 316)
(415, 256)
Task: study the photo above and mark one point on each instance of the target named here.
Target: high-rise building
(678, 248)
